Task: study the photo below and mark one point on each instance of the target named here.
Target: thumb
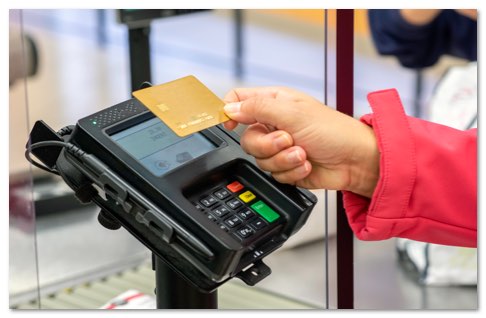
(266, 111)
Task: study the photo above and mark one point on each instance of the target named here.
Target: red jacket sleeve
(427, 190)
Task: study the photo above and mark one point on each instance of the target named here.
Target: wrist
(365, 166)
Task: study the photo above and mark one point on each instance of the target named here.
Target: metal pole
(139, 47)
(173, 292)
(419, 79)
(238, 15)
(326, 194)
(101, 27)
(344, 102)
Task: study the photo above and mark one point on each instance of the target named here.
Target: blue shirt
(421, 46)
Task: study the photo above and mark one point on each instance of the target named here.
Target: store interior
(62, 258)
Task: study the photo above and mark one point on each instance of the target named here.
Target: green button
(265, 211)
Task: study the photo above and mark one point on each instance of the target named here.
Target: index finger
(241, 94)
(265, 111)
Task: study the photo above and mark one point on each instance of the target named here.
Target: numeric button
(232, 221)
(208, 201)
(234, 204)
(246, 214)
(222, 194)
(220, 211)
(245, 232)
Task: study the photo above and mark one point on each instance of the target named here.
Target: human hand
(470, 13)
(425, 16)
(419, 16)
(303, 142)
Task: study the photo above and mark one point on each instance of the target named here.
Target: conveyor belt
(92, 295)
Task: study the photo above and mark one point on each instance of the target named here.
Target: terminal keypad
(237, 210)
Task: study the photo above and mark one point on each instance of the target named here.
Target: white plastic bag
(439, 265)
(454, 104)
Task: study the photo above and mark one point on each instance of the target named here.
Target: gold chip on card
(185, 105)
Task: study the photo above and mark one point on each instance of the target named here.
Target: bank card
(185, 105)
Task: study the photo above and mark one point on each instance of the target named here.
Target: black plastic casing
(173, 192)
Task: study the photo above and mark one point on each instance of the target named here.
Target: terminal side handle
(116, 187)
(160, 226)
(184, 239)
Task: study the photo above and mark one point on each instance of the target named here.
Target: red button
(235, 186)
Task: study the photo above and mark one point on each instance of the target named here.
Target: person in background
(23, 55)
(418, 38)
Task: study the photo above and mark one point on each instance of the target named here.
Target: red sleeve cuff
(374, 219)
(427, 190)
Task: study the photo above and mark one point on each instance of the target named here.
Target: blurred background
(67, 64)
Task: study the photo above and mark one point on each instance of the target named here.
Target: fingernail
(282, 141)
(294, 157)
(232, 108)
(303, 169)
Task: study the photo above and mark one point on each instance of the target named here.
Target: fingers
(230, 124)
(273, 149)
(284, 160)
(262, 104)
(293, 176)
(257, 110)
(274, 153)
(260, 142)
(241, 94)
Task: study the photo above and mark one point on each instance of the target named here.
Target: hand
(419, 16)
(470, 13)
(303, 142)
(425, 16)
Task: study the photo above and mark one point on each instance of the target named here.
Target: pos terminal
(198, 202)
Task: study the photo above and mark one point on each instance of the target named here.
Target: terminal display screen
(160, 150)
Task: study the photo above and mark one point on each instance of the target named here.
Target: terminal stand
(171, 291)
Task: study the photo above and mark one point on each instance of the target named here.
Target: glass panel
(393, 274)
(78, 75)
(84, 67)
(330, 196)
(288, 48)
(23, 279)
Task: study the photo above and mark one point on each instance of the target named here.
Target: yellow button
(247, 196)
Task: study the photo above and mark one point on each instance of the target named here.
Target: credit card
(185, 105)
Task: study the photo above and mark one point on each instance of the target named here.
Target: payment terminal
(198, 202)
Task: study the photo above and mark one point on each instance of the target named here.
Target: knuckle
(254, 142)
(283, 178)
(256, 105)
(231, 96)
(263, 164)
(245, 143)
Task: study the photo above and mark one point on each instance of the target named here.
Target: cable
(38, 145)
(71, 148)
(67, 130)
